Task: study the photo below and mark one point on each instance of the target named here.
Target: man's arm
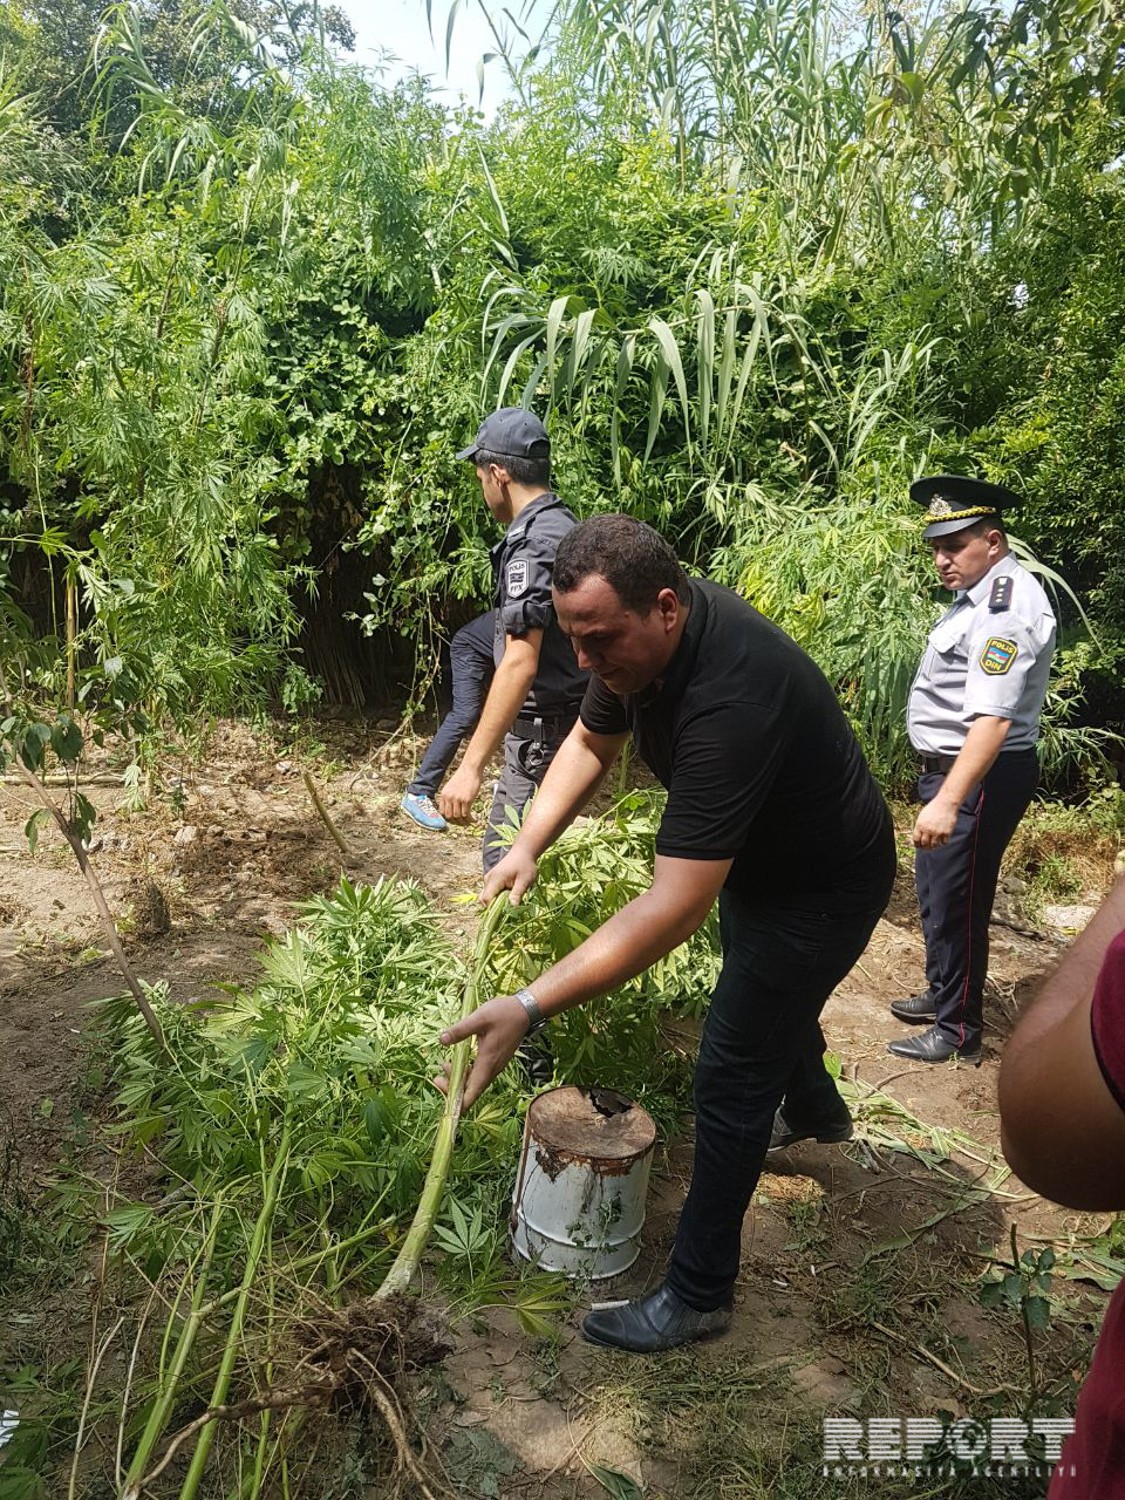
(983, 743)
(507, 695)
(1062, 1130)
(650, 926)
(578, 769)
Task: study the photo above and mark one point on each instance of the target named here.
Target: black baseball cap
(954, 502)
(512, 432)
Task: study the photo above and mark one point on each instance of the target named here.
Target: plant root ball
(378, 1340)
(149, 908)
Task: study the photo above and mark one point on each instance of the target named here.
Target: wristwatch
(536, 1020)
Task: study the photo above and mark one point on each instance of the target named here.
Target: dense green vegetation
(758, 266)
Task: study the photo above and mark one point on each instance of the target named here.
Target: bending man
(772, 809)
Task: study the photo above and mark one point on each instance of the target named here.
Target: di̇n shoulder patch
(998, 655)
(517, 577)
(1000, 597)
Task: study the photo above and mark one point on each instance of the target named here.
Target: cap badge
(940, 507)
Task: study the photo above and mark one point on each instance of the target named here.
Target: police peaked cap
(954, 502)
(511, 432)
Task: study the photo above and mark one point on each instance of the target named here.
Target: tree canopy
(758, 266)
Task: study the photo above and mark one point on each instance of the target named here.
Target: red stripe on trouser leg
(969, 923)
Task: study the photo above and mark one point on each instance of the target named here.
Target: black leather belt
(939, 765)
(543, 730)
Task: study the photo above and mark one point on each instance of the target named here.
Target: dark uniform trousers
(471, 666)
(529, 749)
(957, 884)
(761, 1042)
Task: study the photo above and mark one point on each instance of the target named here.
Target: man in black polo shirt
(772, 809)
(538, 685)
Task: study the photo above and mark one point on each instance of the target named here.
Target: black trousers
(526, 762)
(761, 1042)
(471, 668)
(956, 885)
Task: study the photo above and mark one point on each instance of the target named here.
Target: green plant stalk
(304, 1262)
(399, 1277)
(1028, 1336)
(286, 1430)
(261, 1453)
(331, 1268)
(170, 1323)
(322, 813)
(94, 885)
(234, 1335)
(162, 1407)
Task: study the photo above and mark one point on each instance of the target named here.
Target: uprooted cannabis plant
(290, 1133)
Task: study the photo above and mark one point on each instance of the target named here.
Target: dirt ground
(861, 1264)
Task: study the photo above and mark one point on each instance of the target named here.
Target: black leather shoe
(932, 1047)
(648, 1324)
(785, 1134)
(918, 1010)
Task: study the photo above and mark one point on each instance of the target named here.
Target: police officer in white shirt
(973, 716)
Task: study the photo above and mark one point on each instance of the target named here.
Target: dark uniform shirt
(760, 764)
(523, 563)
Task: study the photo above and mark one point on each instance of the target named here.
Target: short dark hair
(986, 523)
(523, 470)
(633, 559)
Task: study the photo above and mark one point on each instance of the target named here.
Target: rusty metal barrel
(579, 1200)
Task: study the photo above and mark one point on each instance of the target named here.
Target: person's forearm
(1073, 980)
(637, 936)
(983, 744)
(507, 695)
(571, 780)
(1062, 1130)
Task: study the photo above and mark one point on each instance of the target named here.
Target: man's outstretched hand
(455, 799)
(499, 1026)
(516, 872)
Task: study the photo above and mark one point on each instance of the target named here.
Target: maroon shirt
(1092, 1466)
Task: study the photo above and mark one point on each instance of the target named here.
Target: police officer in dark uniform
(973, 717)
(538, 686)
(772, 810)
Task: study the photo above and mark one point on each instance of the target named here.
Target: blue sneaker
(423, 811)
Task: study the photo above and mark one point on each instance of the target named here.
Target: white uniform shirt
(989, 654)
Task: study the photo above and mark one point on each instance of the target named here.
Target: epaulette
(1000, 598)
